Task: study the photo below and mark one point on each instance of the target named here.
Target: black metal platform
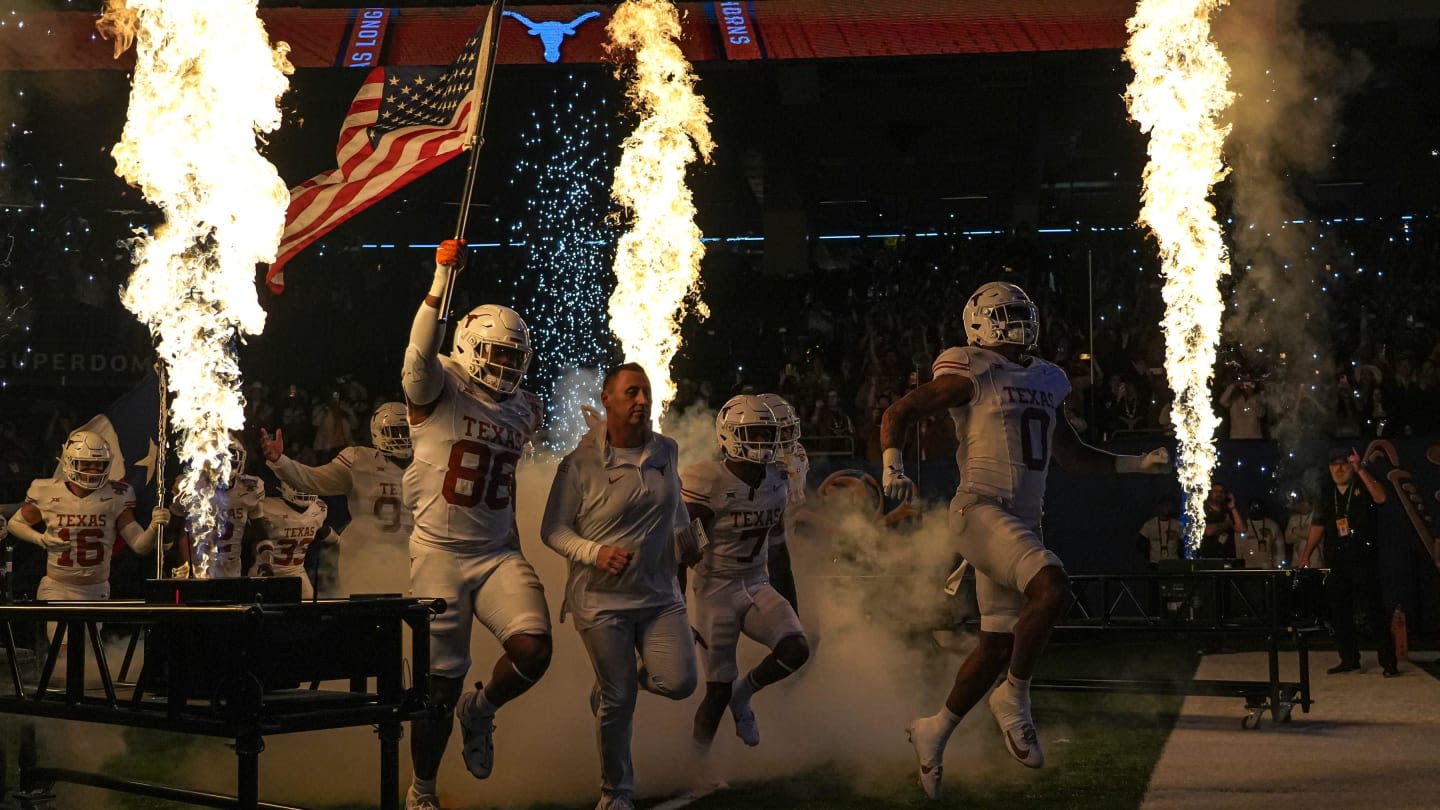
(1226, 605)
(233, 671)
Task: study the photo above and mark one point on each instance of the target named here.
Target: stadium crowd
(861, 328)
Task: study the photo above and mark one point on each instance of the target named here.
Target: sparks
(206, 81)
(657, 262)
(1177, 96)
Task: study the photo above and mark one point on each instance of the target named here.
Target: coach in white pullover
(613, 513)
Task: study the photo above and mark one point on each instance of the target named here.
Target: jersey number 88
(476, 471)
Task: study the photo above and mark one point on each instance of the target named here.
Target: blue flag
(131, 427)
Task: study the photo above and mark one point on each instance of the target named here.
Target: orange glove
(451, 253)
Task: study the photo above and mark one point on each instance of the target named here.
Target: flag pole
(160, 437)
(489, 45)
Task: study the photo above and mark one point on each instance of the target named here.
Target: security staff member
(1345, 517)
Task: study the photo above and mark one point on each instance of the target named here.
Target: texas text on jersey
(743, 519)
(462, 481)
(1025, 398)
(291, 533)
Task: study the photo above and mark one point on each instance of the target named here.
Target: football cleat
(477, 732)
(615, 801)
(745, 726)
(1012, 713)
(420, 801)
(929, 754)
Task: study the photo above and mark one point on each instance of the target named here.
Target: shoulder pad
(696, 481)
(970, 360)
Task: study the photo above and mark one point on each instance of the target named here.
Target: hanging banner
(366, 41)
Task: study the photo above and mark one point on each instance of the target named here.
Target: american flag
(403, 123)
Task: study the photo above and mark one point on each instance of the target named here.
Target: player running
(469, 422)
(1007, 406)
(740, 502)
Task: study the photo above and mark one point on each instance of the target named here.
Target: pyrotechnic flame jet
(1178, 95)
(657, 262)
(206, 82)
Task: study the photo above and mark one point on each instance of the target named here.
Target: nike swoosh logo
(617, 478)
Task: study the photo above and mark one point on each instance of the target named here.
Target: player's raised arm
(333, 478)
(945, 391)
(420, 375)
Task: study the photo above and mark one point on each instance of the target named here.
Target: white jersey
(1004, 433)
(85, 525)
(292, 532)
(743, 519)
(462, 481)
(370, 482)
(797, 468)
(244, 501)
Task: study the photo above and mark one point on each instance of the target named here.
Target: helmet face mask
(1001, 314)
(748, 430)
(238, 457)
(789, 421)
(85, 459)
(390, 430)
(294, 497)
(493, 346)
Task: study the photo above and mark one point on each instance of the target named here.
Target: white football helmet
(85, 459)
(1001, 313)
(748, 430)
(789, 420)
(294, 497)
(492, 344)
(390, 430)
(238, 458)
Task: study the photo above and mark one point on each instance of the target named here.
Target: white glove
(1155, 462)
(897, 486)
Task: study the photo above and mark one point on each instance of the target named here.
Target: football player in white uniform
(296, 521)
(796, 463)
(740, 502)
(370, 480)
(242, 523)
(83, 512)
(1007, 407)
(469, 422)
